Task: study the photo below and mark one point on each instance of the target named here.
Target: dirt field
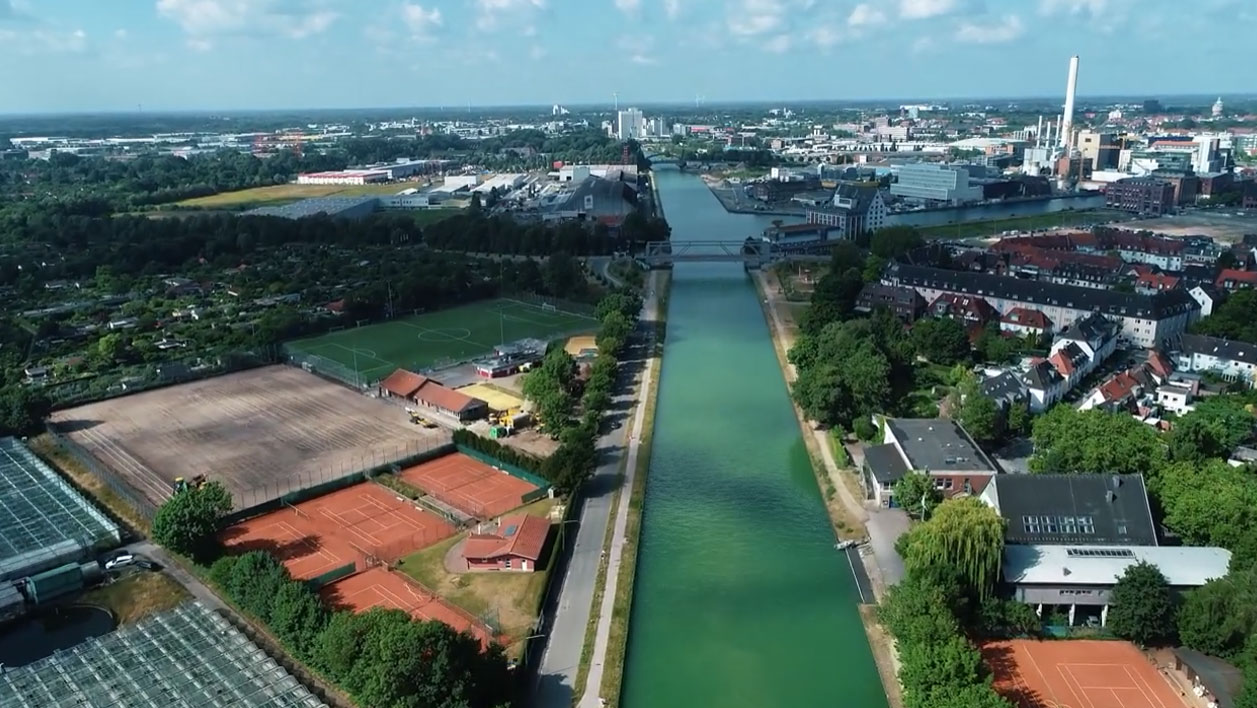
(283, 193)
(1225, 225)
(262, 432)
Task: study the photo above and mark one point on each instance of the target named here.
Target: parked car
(120, 560)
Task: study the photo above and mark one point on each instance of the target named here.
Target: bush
(865, 429)
(498, 451)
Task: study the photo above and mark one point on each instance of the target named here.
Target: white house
(1175, 399)
(1235, 361)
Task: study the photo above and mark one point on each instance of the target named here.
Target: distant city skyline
(179, 55)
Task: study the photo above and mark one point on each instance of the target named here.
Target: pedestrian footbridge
(753, 253)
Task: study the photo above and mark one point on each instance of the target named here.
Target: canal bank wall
(847, 513)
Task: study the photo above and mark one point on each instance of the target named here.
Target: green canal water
(740, 598)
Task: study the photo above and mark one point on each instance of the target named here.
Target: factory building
(350, 177)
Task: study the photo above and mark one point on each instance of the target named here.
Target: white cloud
(865, 15)
(44, 41)
(825, 36)
(778, 45)
(490, 12)
(751, 18)
(1004, 30)
(672, 8)
(202, 20)
(420, 21)
(925, 9)
(1073, 7)
(638, 48)
(628, 7)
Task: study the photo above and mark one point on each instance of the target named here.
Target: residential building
(1232, 280)
(855, 210)
(1044, 385)
(1023, 321)
(1146, 320)
(1004, 388)
(1095, 335)
(630, 124)
(516, 545)
(929, 182)
(1141, 195)
(1174, 398)
(1205, 296)
(1150, 282)
(973, 312)
(934, 446)
(1234, 361)
(906, 303)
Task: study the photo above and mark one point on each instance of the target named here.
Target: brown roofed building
(402, 383)
(1025, 320)
(450, 402)
(516, 545)
(1231, 280)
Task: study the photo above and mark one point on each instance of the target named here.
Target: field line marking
(1075, 685)
(1144, 689)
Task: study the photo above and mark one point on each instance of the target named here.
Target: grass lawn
(514, 597)
(441, 337)
(137, 596)
(277, 194)
(977, 229)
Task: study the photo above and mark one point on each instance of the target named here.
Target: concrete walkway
(602, 635)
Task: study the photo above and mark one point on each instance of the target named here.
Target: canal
(741, 598)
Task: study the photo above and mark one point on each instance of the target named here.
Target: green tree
(1067, 441)
(1140, 606)
(1215, 428)
(1218, 617)
(297, 617)
(916, 494)
(614, 332)
(918, 611)
(962, 533)
(22, 409)
(188, 521)
(976, 695)
(894, 241)
(978, 413)
(110, 348)
(1210, 503)
(255, 581)
(941, 340)
(929, 667)
(1019, 419)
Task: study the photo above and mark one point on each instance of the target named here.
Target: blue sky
(83, 55)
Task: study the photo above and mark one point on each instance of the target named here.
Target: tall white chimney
(1038, 134)
(1067, 123)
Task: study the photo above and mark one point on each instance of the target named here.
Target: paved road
(150, 550)
(556, 676)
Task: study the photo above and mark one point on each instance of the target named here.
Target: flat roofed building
(935, 446)
(935, 183)
(1084, 576)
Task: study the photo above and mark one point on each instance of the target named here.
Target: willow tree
(963, 534)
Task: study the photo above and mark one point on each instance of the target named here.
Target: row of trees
(557, 392)
(383, 658)
(1232, 319)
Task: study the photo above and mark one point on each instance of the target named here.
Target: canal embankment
(847, 513)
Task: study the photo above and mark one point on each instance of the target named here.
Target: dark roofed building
(1003, 388)
(972, 311)
(1045, 385)
(1230, 359)
(605, 200)
(935, 446)
(1073, 509)
(906, 303)
(1145, 320)
(856, 209)
(883, 466)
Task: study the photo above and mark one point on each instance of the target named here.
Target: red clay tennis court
(1078, 674)
(469, 485)
(364, 522)
(379, 587)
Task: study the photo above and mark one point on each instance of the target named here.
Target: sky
(115, 55)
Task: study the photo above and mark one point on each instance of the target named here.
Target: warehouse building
(349, 177)
(331, 207)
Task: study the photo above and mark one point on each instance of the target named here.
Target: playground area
(1078, 674)
(364, 523)
(434, 339)
(380, 587)
(468, 485)
(262, 433)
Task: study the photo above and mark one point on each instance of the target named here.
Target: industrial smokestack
(1038, 134)
(1067, 123)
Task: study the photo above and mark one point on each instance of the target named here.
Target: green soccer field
(437, 338)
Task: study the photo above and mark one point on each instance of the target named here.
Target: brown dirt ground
(261, 432)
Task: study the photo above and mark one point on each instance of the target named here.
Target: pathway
(602, 635)
(556, 676)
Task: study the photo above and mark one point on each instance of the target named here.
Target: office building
(1141, 195)
(948, 184)
(630, 124)
(1099, 149)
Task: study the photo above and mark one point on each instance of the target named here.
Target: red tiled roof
(1118, 387)
(519, 535)
(966, 306)
(1062, 363)
(403, 383)
(1027, 317)
(337, 306)
(1157, 281)
(436, 395)
(1236, 276)
(1159, 364)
